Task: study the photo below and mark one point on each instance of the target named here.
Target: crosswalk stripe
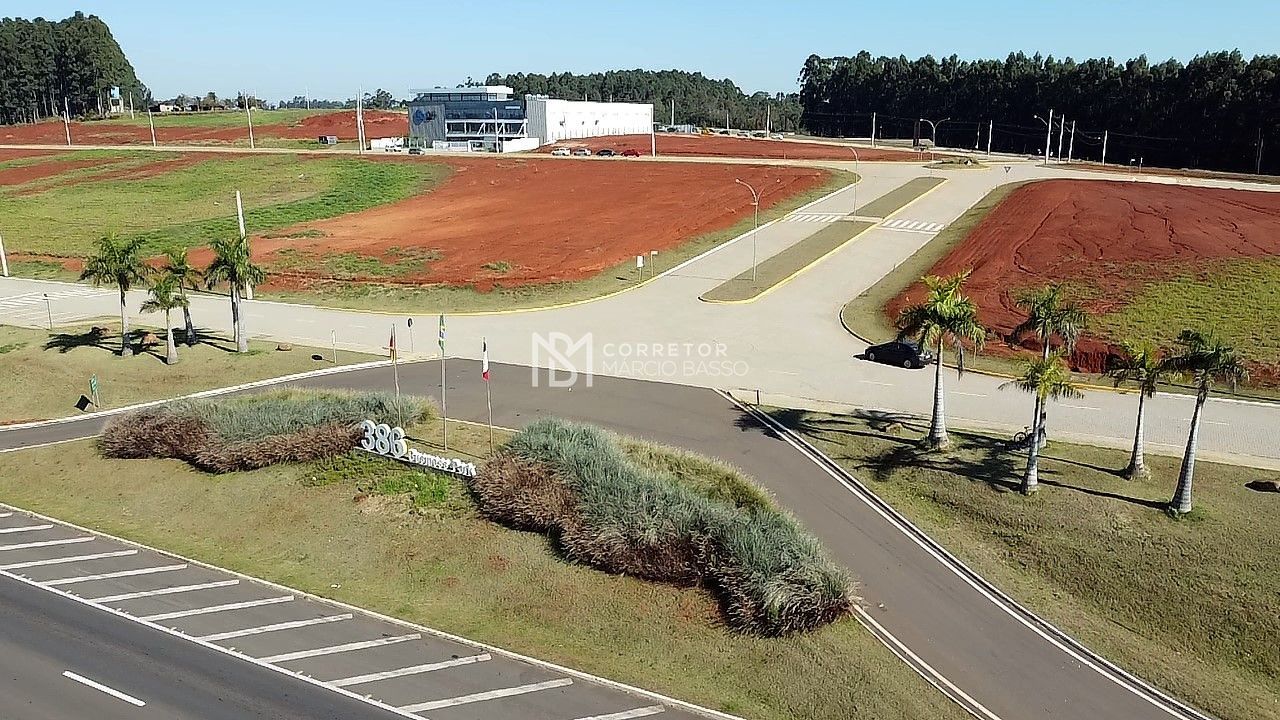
(482, 696)
(413, 670)
(334, 649)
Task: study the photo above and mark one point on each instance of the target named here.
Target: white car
(561, 152)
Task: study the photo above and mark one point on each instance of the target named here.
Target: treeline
(699, 100)
(77, 61)
(1217, 111)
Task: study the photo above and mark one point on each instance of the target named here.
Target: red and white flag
(484, 360)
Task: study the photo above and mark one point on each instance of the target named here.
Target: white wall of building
(554, 120)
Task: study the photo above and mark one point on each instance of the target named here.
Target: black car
(605, 152)
(902, 353)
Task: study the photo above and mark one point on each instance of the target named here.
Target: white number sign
(382, 439)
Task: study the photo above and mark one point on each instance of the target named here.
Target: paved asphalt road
(980, 646)
(43, 635)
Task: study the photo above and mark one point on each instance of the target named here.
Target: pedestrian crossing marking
(919, 226)
(814, 217)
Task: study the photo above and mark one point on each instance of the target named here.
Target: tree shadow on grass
(94, 338)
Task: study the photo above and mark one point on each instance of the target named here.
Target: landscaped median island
(749, 617)
(51, 370)
(1189, 605)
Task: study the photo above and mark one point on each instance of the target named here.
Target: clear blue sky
(281, 48)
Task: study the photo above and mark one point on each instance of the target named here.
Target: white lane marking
(1113, 673)
(488, 695)
(103, 688)
(277, 626)
(968, 394)
(1216, 422)
(25, 528)
(934, 677)
(1079, 407)
(345, 647)
(73, 558)
(216, 608)
(413, 670)
(164, 591)
(6, 514)
(876, 382)
(116, 574)
(628, 714)
(45, 543)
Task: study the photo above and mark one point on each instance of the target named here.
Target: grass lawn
(1189, 605)
(189, 205)
(216, 119)
(410, 544)
(438, 298)
(52, 369)
(1239, 299)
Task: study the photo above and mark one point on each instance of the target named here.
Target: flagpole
(444, 396)
(488, 393)
(395, 374)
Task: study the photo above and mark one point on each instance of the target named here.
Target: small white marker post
(653, 263)
(4, 261)
(640, 266)
(334, 334)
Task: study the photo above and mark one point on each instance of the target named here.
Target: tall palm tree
(1047, 378)
(233, 265)
(1143, 364)
(165, 296)
(117, 262)
(1207, 360)
(946, 316)
(1050, 313)
(186, 277)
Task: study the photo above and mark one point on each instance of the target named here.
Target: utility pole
(248, 112)
(1104, 146)
(873, 128)
(4, 262)
(1071, 145)
(152, 124)
(1257, 164)
(673, 111)
(726, 119)
(66, 119)
(130, 106)
(991, 128)
(977, 139)
(1048, 138)
(1062, 130)
(767, 118)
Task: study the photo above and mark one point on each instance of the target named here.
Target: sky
(277, 49)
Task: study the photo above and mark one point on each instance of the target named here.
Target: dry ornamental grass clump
(637, 509)
(256, 431)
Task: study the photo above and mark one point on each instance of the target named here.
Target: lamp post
(855, 182)
(933, 129)
(1048, 135)
(755, 201)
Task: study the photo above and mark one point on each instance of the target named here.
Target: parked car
(630, 152)
(605, 152)
(561, 152)
(776, 136)
(899, 352)
(581, 152)
(415, 151)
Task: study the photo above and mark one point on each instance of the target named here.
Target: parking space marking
(116, 574)
(164, 591)
(628, 714)
(45, 543)
(277, 626)
(488, 695)
(6, 514)
(216, 608)
(412, 670)
(1080, 407)
(876, 382)
(345, 647)
(71, 559)
(103, 688)
(957, 392)
(25, 528)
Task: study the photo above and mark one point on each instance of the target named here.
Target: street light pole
(1048, 135)
(755, 201)
(855, 182)
(933, 128)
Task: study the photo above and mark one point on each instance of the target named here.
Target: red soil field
(40, 170)
(551, 222)
(722, 146)
(11, 154)
(1108, 238)
(341, 123)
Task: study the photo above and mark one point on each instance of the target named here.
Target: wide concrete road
(43, 636)
(980, 650)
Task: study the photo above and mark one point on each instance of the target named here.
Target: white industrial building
(554, 120)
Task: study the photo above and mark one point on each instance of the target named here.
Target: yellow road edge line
(824, 256)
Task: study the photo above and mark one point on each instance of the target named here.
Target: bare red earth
(722, 146)
(550, 221)
(341, 123)
(40, 170)
(1110, 238)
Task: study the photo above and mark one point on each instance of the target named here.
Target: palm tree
(1047, 378)
(117, 262)
(1049, 312)
(186, 278)
(1207, 360)
(945, 316)
(233, 265)
(1143, 364)
(165, 296)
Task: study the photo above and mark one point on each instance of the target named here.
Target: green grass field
(1189, 605)
(372, 296)
(411, 545)
(53, 369)
(188, 206)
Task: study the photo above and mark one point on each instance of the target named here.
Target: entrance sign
(382, 439)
